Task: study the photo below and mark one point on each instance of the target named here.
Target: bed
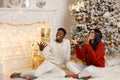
(112, 73)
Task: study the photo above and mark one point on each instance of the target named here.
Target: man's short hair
(62, 29)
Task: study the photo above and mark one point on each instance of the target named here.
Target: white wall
(63, 16)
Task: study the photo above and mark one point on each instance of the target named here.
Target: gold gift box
(45, 34)
(37, 59)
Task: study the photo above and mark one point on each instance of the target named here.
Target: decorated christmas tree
(101, 14)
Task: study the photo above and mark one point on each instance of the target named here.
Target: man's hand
(42, 45)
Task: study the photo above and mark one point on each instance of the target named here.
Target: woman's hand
(86, 39)
(42, 45)
(74, 41)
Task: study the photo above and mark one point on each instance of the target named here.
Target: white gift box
(17, 63)
(16, 60)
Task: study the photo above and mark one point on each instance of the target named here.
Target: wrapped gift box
(16, 59)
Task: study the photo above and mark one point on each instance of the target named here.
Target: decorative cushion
(112, 60)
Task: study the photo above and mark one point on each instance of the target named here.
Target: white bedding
(112, 73)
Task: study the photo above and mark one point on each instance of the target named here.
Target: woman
(92, 53)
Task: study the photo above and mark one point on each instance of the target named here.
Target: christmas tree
(101, 14)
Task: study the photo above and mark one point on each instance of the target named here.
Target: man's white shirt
(57, 53)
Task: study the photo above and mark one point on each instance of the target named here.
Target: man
(56, 53)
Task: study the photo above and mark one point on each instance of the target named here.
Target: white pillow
(112, 60)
